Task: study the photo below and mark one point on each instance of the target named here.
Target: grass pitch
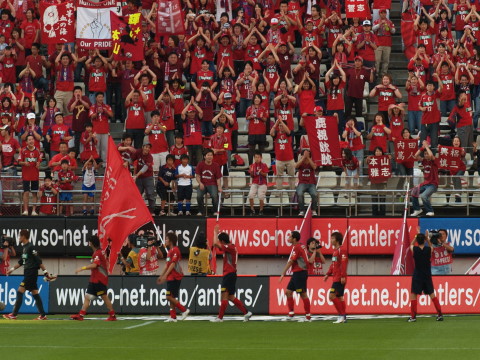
(132, 338)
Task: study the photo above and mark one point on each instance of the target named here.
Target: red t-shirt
(157, 139)
(32, 157)
(351, 164)
(178, 152)
(255, 170)
(57, 134)
(432, 114)
(97, 79)
(426, 38)
(430, 172)
(285, 112)
(366, 52)
(356, 81)
(230, 257)
(354, 141)
(379, 138)
(209, 174)
(306, 174)
(299, 258)
(143, 160)
(448, 90)
(30, 31)
(204, 76)
(100, 122)
(48, 200)
(386, 97)
(100, 273)
(9, 148)
(65, 77)
(414, 95)
(8, 70)
(462, 11)
(220, 143)
(335, 97)
(149, 91)
(174, 257)
(67, 176)
(135, 116)
(396, 125)
(283, 147)
(256, 126)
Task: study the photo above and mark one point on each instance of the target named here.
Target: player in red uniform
(97, 287)
(229, 280)
(298, 261)
(173, 275)
(338, 270)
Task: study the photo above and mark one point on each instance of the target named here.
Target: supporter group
(251, 67)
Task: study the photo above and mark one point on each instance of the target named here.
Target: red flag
(451, 158)
(402, 263)
(58, 22)
(408, 35)
(122, 209)
(405, 150)
(170, 19)
(379, 169)
(322, 134)
(357, 8)
(306, 227)
(127, 37)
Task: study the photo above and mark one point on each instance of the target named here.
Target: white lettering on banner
(8, 295)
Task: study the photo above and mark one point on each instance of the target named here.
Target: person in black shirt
(166, 176)
(422, 276)
(31, 263)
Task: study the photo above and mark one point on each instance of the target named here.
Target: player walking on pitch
(422, 276)
(173, 275)
(338, 270)
(97, 287)
(229, 280)
(298, 261)
(31, 263)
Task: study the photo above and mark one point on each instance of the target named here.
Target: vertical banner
(450, 158)
(170, 18)
(405, 150)
(358, 9)
(127, 37)
(323, 138)
(379, 169)
(94, 30)
(58, 22)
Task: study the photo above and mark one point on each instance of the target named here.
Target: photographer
(199, 257)
(131, 262)
(315, 257)
(148, 255)
(441, 252)
(6, 250)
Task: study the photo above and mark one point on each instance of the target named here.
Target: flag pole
(219, 196)
(305, 216)
(402, 235)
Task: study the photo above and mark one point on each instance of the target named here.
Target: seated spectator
(306, 182)
(209, 179)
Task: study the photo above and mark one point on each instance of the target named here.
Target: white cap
(31, 116)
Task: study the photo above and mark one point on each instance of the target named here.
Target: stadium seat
(328, 179)
(242, 125)
(244, 156)
(237, 180)
(242, 143)
(325, 198)
(439, 200)
(267, 159)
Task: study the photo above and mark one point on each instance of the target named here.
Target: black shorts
(96, 289)
(257, 139)
(163, 192)
(298, 282)
(173, 287)
(30, 186)
(29, 281)
(422, 284)
(229, 283)
(225, 170)
(338, 289)
(184, 192)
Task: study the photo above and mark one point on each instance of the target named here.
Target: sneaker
(412, 319)
(162, 213)
(34, 213)
(25, 213)
(41, 317)
(308, 318)
(301, 213)
(180, 213)
(216, 320)
(416, 212)
(458, 196)
(340, 320)
(111, 318)
(172, 214)
(430, 213)
(76, 317)
(314, 213)
(247, 316)
(199, 213)
(188, 213)
(10, 316)
(290, 317)
(439, 318)
(184, 315)
(252, 212)
(170, 320)
(260, 213)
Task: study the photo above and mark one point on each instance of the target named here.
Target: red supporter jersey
(32, 157)
(100, 273)
(230, 257)
(414, 94)
(299, 258)
(283, 147)
(448, 90)
(135, 116)
(335, 96)
(9, 148)
(178, 152)
(100, 122)
(354, 141)
(65, 77)
(167, 112)
(255, 170)
(89, 147)
(338, 268)
(351, 164)
(157, 139)
(48, 200)
(379, 138)
(97, 81)
(386, 97)
(396, 125)
(149, 91)
(143, 160)
(58, 133)
(431, 115)
(255, 125)
(316, 268)
(68, 177)
(426, 38)
(221, 143)
(209, 174)
(306, 174)
(430, 172)
(285, 112)
(174, 257)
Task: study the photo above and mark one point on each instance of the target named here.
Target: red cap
(382, 10)
(358, 58)
(191, 108)
(317, 108)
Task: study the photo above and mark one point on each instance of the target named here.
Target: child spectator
(65, 179)
(88, 185)
(89, 142)
(166, 175)
(184, 173)
(258, 172)
(48, 197)
(178, 149)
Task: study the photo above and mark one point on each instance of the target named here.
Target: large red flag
(170, 19)
(127, 37)
(322, 134)
(122, 209)
(58, 22)
(402, 263)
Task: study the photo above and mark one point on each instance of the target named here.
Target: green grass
(455, 338)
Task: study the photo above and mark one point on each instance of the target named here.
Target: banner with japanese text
(127, 37)
(170, 18)
(358, 9)
(450, 158)
(94, 30)
(58, 22)
(323, 138)
(405, 150)
(379, 168)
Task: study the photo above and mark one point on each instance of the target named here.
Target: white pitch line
(138, 325)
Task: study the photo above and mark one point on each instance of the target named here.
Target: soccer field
(132, 338)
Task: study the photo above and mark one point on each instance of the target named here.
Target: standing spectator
(357, 76)
(37, 63)
(65, 63)
(89, 142)
(431, 115)
(386, 92)
(9, 147)
(7, 249)
(48, 195)
(206, 99)
(30, 30)
(30, 159)
(178, 149)
(166, 176)
(88, 185)
(166, 105)
(135, 121)
(315, 257)
(335, 83)
(65, 179)
(184, 173)
(378, 134)
(58, 133)
(458, 171)
(143, 174)
(445, 71)
(414, 88)
(404, 168)
(383, 29)
(461, 119)
(424, 31)
(126, 73)
(257, 117)
(97, 75)
(209, 180)
(79, 106)
(126, 150)
(143, 82)
(366, 44)
(350, 165)
(258, 172)
(156, 136)
(219, 143)
(31, 128)
(148, 258)
(306, 182)
(245, 84)
(353, 136)
(430, 181)
(284, 159)
(378, 196)
(192, 132)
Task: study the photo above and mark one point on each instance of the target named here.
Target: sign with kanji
(405, 150)
(379, 169)
(450, 158)
(322, 134)
(94, 30)
(58, 23)
(170, 18)
(357, 8)
(127, 37)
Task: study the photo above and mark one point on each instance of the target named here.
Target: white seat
(366, 90)
(270, 144)
(439, 200)
(235, 200)
(325, 198)
(237, 180)
(242, 143)
(364, 106)
(344, 200)
(475, 199)
(328, 179)
(267, 159)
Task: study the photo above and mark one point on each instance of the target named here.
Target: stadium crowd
(242, 65)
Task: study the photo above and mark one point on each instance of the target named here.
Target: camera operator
(199, 257)
(149, 255)
(131, 262)
(441, 252)
(6, 250)
(315, 257)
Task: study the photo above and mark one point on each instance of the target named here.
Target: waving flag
(402, 263)
(170, 19)
(58, 22)
(122, 209)
(127, 37)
